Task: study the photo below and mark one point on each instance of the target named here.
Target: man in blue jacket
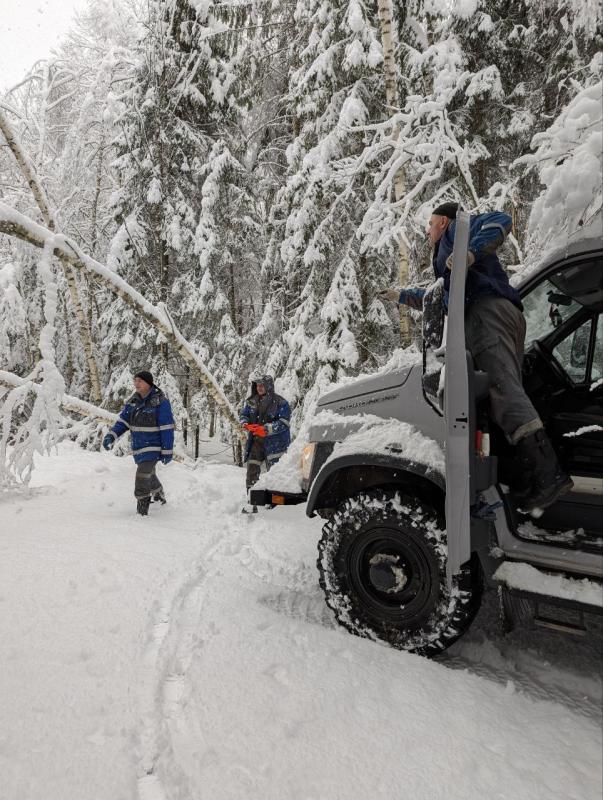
(148, 417)
(266, 418)
(495, 333)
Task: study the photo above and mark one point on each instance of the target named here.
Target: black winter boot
(142, 506)
(540, 472)
(159, 497)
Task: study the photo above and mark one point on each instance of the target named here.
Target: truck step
(553, 589)
(562, 627)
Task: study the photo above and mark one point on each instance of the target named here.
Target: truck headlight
(306, 460)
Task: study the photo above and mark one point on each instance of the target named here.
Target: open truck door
(452, 387)
(457, 409)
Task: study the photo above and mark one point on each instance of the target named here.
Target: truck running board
(555, 599)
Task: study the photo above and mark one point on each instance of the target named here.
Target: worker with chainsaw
(495, 333)
(266, 418)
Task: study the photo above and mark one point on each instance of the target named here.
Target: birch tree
(29, 173)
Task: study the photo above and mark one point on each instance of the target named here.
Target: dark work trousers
(257, 457)
(147, 482)
(495, 332)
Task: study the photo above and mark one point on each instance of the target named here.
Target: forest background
(258, 170)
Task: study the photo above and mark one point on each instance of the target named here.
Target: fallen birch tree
(13, 223)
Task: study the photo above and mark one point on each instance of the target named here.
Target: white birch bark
(18, 225)
(29, 173)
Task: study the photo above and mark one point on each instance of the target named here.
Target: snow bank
(527, 578)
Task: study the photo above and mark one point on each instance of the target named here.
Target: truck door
(457, 409)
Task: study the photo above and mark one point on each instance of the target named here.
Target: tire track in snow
(167, 656)
(175, 640)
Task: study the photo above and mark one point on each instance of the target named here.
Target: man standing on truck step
(148, 417)
(266, 418)
(495, 333)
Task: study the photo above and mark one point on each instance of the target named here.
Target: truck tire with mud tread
(382, 564)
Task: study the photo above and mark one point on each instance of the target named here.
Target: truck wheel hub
(387, 574)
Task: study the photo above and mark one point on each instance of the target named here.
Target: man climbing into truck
(495, 332)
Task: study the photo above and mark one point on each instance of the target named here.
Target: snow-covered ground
(189, 655)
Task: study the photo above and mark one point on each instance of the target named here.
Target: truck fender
(391, 462)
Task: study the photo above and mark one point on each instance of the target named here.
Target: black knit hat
(145, 376)
(447, 210)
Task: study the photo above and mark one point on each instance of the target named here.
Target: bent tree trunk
(15, 224)
(29, 173)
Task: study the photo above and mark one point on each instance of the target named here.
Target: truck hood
(364, 394)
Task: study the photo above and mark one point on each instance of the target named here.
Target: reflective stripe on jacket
(151, 425)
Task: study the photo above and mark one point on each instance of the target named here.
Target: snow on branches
(36, 431)
(568, 157)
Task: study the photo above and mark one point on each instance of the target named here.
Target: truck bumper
(267, 497)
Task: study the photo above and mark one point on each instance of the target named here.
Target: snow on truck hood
(374, 435)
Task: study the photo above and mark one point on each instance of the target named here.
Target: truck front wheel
(382, 564)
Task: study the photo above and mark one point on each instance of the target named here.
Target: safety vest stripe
(146, 450)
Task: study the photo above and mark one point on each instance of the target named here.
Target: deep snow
(190, 655)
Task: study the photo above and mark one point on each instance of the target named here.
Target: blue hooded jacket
(276, 418)
(486, 276)
(151, 425)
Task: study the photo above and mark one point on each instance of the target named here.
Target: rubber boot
(159, 497)
(142, 506)
(540, 471)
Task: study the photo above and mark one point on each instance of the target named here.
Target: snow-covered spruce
(382, 564)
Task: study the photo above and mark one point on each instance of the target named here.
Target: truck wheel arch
(346, 475)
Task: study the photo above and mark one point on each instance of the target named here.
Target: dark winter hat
(145, 376)
(447, 210)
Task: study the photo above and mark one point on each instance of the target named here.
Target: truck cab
(412, 477)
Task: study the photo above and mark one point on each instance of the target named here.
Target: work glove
(470, 260)
(166, 459)
(108, 442)
(257, 430)
(393, 295)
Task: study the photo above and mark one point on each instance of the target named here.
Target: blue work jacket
(151, 425)
(486, 276)
(276, 419)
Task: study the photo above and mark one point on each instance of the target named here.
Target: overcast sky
(29, 29)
